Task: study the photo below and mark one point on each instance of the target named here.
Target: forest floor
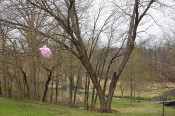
(14, 107)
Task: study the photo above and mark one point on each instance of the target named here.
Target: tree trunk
(131, 96)
(51, 94)
(32, 79)
(87, 103)
(46, 86)
(62, 89)
(134, 93)
(24, 90)
(122, 91)
(95, 100)
(131, 90)
(19, 86)
(9, 90)
(155, 58)
(111, 91)
(91, 71)
(80, 82)
(34, 82)
(0, 89)
(106, 105)
(38, 84)
(4, 64)
(70, 88)
(57, 83)
(85, 93)
(92, 102)
(150, 59)
(77, 84)
(26, 83)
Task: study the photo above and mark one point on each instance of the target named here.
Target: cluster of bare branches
(73, 29)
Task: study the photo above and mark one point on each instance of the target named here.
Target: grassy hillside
(13, 107)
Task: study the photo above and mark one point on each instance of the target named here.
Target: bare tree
(67, 15)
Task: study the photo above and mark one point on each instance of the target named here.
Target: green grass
(140, 108)
(171, 98)
(13, 107)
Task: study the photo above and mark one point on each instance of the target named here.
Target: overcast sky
(163, 18)
(161, 15)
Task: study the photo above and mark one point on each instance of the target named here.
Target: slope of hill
(13, 107)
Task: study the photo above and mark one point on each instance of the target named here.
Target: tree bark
(0, 89)
(9, 90)
(111, 91)
(122, 91)
(85, 93)
(92, 101)
(46, 86)
(87, 103)
(38, 84)
(131, 90)
(77, 84)
(57, 83)
(70, 88)
(51, 94)
(26, 83)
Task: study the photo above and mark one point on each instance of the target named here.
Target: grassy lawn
(140, 108)
(13, 107)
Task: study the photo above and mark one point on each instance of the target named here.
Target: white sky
(162, 18)
(160, 14)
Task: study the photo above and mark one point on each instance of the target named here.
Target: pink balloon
(45, 52)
